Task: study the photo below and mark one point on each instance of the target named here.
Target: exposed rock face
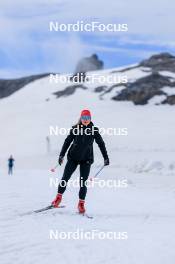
(91, 63)
(143, 89)
(169, 100)
(8, 87)
(69, 90)
(160, 62)
(100, 89)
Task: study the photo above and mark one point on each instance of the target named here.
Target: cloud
(26, 45)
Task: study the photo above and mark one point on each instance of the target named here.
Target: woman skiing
(81, 136)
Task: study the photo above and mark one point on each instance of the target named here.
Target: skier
(80, 153)
(10, 165)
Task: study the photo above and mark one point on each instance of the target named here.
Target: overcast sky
(28, 47)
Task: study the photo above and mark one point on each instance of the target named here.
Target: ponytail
(78, 122)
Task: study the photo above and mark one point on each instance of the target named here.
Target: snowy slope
(145, 158)
(28, 113)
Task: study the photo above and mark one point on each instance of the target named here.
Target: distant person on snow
(10, 165)
(80, 153)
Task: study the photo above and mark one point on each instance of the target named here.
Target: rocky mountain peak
(91, 63)
(160, 62)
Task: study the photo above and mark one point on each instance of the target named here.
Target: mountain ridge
(148, 79)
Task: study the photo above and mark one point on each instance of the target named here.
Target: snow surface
(157, 99)
(145, 158)
(169, 90)
(167, 73)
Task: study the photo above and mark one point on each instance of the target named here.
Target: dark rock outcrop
(69, 90)
(91, 63)
(100, 89)
(143, 89)
(169, 100)
(160, 62)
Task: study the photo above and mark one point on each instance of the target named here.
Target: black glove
(60, 160)
(106, 162)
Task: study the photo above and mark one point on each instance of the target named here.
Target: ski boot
(81, 207)
(56, 202)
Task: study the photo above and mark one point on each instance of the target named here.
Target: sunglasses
(85, 118)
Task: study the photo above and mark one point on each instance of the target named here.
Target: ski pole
(53, 169)
(97, 173)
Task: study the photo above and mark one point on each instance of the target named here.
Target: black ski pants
(68, 171)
